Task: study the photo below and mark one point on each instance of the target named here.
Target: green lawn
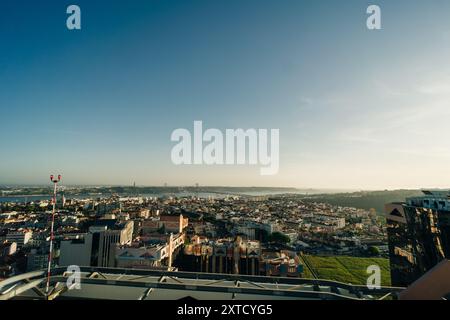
(347, 269)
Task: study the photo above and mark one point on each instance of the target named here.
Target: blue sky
(355, 108)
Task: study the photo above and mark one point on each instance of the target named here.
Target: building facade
(158, 255)
(229, 256)
(21, 237)
(98, 247)
(171, 224)
(419, 235)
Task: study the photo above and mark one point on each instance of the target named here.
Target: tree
(279, 238)
(162, 229)
(373, 251)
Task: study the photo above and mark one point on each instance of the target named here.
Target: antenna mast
(50, 254)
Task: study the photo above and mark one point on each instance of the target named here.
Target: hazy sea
(24, 199)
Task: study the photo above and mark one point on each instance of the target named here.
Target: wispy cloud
(436, 88)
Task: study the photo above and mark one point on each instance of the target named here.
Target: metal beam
(206, 288)
(17, 290)
(146, 294)
(21, 277)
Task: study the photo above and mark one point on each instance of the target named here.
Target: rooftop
(133, 284)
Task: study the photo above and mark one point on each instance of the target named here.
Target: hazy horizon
(213, 186)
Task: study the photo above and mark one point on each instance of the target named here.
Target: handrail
(59, 274)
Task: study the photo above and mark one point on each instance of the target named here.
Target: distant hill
(361, 199)
(364, 199)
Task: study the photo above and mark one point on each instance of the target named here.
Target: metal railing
(151, 280)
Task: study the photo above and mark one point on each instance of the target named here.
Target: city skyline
(357, 109)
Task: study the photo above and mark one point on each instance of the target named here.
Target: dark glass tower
(419, 235)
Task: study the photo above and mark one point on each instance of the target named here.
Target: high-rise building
(76, 251)
(97, 248)
(419, 235)
(37, 259)
(21, 237)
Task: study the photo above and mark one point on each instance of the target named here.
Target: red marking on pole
(50, 254)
